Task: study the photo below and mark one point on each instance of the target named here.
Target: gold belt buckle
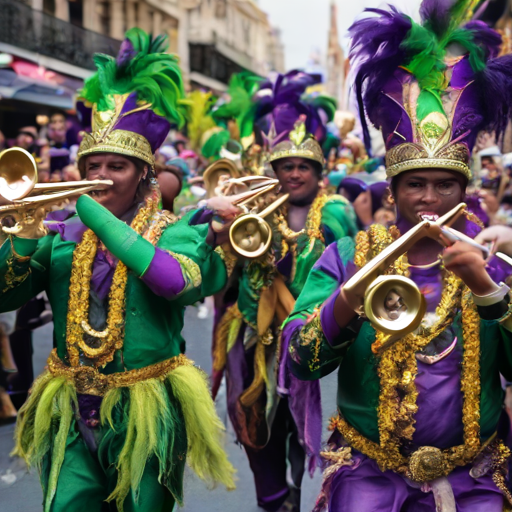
(89, 381)
(428, 463)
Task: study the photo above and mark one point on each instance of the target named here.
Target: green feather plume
(142, 67)
(426, 47)
(213, 144)
(240, 106)
(322, 102)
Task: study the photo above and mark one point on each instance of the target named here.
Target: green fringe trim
(206, 455)
(153, 426)
(43, 426)
(152, 429)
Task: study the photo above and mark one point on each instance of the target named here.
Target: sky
(305, 23)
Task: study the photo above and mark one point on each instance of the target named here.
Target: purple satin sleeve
(164, 276)
(202, 216)
(329, 325)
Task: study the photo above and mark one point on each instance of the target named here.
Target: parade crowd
(375, 243)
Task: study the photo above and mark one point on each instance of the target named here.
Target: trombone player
(120, 408)
(271, 428)
(419, 396)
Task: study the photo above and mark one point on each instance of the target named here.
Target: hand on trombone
(28, 226)
(467, 262)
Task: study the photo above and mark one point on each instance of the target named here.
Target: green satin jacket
(153, 323)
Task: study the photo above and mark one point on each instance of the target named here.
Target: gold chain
(312, 228)
(79, 289)
(397, 372)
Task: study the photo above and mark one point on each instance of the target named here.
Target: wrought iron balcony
(22, 26)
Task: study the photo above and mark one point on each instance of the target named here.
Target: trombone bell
(220, 170)
(250, 235)
(18, 173)
(394, 304)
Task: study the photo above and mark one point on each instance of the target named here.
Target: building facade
(226, 36)
(48, 45)
(335, 62)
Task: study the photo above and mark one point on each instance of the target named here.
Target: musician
(120, 408)
(418, 424)
(247, 344)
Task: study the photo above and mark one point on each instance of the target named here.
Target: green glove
(119, 238)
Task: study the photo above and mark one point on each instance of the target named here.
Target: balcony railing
(22, 26)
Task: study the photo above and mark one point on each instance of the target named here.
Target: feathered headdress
(287, 112)
(238, 104)
(430, 87)
(282, 99)
(135, 98)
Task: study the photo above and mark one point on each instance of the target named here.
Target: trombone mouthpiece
(103, 184)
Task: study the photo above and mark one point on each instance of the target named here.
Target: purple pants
(269, 465)
(364, 488)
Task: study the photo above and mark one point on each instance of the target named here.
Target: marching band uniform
(120, 408)
(419, 426)
(247, 336)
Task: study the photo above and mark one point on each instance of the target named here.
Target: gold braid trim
(499, 457)
(312, 228)
(226, 331)
(190, 270)
(79, 288)
(362, 249)
(88, 380)
(398, 394)
(11, 278)
(229, 259)
(312, 332)
(473, 218)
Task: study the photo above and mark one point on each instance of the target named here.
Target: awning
(27, 81)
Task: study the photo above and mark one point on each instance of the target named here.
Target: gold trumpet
(18, 184)
(250, 235)
(394, 304)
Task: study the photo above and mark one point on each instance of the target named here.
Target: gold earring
(391, 200)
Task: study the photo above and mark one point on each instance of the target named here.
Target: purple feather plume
(495, 86)
(375, 54)
(485, 37)
(126, 53)
(279, 104)
(436, 13)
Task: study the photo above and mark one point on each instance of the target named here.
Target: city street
(20, 491)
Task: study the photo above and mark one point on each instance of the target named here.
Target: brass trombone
(250, 235)
(394, 304)
(18, 184)
(216, 173)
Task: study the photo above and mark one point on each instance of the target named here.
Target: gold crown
(409, 156)
(299, 145)
(104, 139)
(432, 149)
(121, 142)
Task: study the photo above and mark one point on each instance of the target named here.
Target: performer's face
(299, 178)
(123, 172)
(429, 192)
